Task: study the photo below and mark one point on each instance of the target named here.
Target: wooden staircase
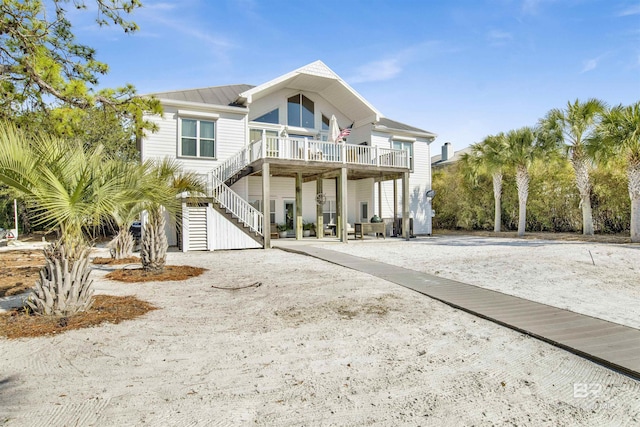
(228, 203)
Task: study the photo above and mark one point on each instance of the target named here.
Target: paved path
(610, 344)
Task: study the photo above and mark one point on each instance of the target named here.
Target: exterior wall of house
(419, 183)
(230, 136)
(360, 135)
(228, 236)
(283, 189)
(279, 100)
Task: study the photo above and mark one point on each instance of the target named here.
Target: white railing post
(306, 150)
(343, 152)
(377, 157)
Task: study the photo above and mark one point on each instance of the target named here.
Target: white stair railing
(232, 165)
(239, 208)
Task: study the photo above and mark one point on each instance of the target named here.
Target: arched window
(300, 111)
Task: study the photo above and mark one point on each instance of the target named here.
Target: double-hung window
(405, 145)
(197, 138)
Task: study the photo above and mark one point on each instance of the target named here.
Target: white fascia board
(398, 132)
(247, 95)
(368, 120)
(198, 114)
(200, 105)
(403, 138)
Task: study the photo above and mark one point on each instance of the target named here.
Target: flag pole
(15, 217)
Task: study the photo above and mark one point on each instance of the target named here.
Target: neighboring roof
(393, 125)
(317, 77)
(457, 155)
(216, 95)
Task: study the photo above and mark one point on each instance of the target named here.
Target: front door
(290, 216)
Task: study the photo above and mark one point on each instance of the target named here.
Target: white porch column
(380, 199)
(266, 205)
(395, 207)
(299, 206)
(405, 206)
(319, 209)
(185, 226)
(342, 202)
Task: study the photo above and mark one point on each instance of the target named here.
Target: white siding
(419, 183)
(230, 138)
(227, 236)
(360, 134)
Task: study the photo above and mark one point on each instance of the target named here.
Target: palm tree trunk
(121, 246)
(497, 197)
(522, 182)
(64, 287)
(581, 168)
(153, 251)
(633, 174)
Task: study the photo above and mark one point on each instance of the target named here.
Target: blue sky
(462, 69)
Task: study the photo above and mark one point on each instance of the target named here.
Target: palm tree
(490, 156)
(576, 125)
(619, 136)
(163, 183)
(122, 244)
(71, 190)
(522, 147)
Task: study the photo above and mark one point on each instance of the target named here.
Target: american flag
(344, 133)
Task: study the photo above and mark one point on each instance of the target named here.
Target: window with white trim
(257, 203)
(300, 111)
(405, 145)
(329, 212)
(197, 138)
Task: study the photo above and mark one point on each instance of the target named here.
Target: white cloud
(161, 19)
(393, 65)
(632, 10)
(531, 7)
(377, 70)
(158, 6)
(498, 37)
(589, 65)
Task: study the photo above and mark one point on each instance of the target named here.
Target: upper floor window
(197, 138)
(300, 111)
(405, 145)
(325, 122)
(272, 116)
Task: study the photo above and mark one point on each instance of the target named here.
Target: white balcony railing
(327, 152)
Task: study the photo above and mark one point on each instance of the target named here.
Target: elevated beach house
(302, 148)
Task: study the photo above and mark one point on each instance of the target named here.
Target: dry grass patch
(170, 273)
(112, 261)
(106, 308)
(19, 271)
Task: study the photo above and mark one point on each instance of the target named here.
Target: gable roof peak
(317, 68)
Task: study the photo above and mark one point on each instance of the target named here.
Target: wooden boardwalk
(609, 344)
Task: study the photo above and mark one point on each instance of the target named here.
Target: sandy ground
(317, 344)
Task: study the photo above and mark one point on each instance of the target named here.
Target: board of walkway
(610, 344)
